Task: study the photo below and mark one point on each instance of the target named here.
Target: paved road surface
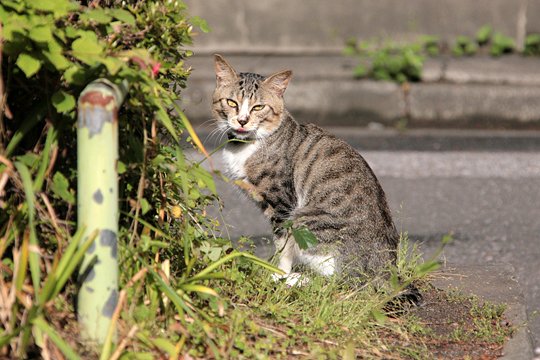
(487, 196)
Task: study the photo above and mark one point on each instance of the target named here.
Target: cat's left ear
(279, 81)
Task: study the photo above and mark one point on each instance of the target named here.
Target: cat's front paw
(291, 279)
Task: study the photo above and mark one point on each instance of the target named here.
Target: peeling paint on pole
(97, 155)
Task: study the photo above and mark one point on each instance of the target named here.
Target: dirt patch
(458, 327)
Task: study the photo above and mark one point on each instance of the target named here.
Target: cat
(303, 175)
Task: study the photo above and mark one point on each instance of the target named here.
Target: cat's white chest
(235, 159)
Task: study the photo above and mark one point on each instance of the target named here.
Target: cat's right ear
(225, 73)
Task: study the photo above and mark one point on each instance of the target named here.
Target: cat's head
(248, 106)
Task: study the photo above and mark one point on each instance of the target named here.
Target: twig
(116, 315)
(124, 342)
(44, 349)
(140, 190)
(51, 212)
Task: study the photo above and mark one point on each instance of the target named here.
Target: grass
(323, 318)
(331, 318)
(233, 309)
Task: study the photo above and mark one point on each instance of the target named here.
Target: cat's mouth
(240, 134)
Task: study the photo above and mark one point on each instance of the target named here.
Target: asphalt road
(481, 187)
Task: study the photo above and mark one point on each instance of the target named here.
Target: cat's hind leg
(287, 252)
(324, 265)
(321, 259)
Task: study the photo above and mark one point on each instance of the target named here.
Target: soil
(445, 314)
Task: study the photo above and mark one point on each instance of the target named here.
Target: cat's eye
(232, 103)
(257, 107)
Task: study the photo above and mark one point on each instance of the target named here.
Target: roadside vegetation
(403, 62)
(185, 293)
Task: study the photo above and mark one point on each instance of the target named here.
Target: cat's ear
(224, 72)
(279, 81)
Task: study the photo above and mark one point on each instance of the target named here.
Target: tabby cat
(303, 174)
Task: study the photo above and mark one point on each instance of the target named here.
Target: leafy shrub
(404, 62)
(501, 44)
(464, 46)
(532, 45)
(50, 50)
(392, 61)
(483, 35)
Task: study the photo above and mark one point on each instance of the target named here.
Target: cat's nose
(243, 122)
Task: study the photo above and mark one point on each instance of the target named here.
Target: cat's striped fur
(303, 174)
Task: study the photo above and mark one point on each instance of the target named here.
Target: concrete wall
(289, 26)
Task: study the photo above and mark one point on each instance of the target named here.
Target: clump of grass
(327, 317)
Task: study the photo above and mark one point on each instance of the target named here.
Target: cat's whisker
(216, 134)
(209, 122)
(211, 135)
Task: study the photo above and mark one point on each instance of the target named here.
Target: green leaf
(145, 206)
(210, 268)
(123, 15)
(214, 254)
(120, 167)
(72, 32)
(75, 75)
(58, 7)
(60, 187)
(427, 267)
(350, 50)
(532, 44)
(165, 346)
(199, 288)
(29, 159)
(97, 15)
(501, 44)
(379, 316)
(58, 272)
(304, 238)
(205, 177)
(41, 34)
(66, 268)
(87, 48)
(15, 5)
(200, 23)
(28, 64)
(360, 71)
(63, 102)
(41, 324)
(447, 239)
(166, 121)
(54, 55)
(33, 256)
(484, 34)
(112, 64)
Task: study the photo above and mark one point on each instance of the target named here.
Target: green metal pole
(97, 205)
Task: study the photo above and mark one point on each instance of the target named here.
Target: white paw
(291, 279)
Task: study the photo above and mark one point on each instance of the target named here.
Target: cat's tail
(407, 298)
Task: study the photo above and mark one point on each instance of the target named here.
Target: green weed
(532, 45)
(392, 61)
(404, 62)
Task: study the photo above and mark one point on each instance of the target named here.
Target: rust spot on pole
(96, 98)
(96, 108)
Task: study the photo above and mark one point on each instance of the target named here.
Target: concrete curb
(455, 92)
(494, 283)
